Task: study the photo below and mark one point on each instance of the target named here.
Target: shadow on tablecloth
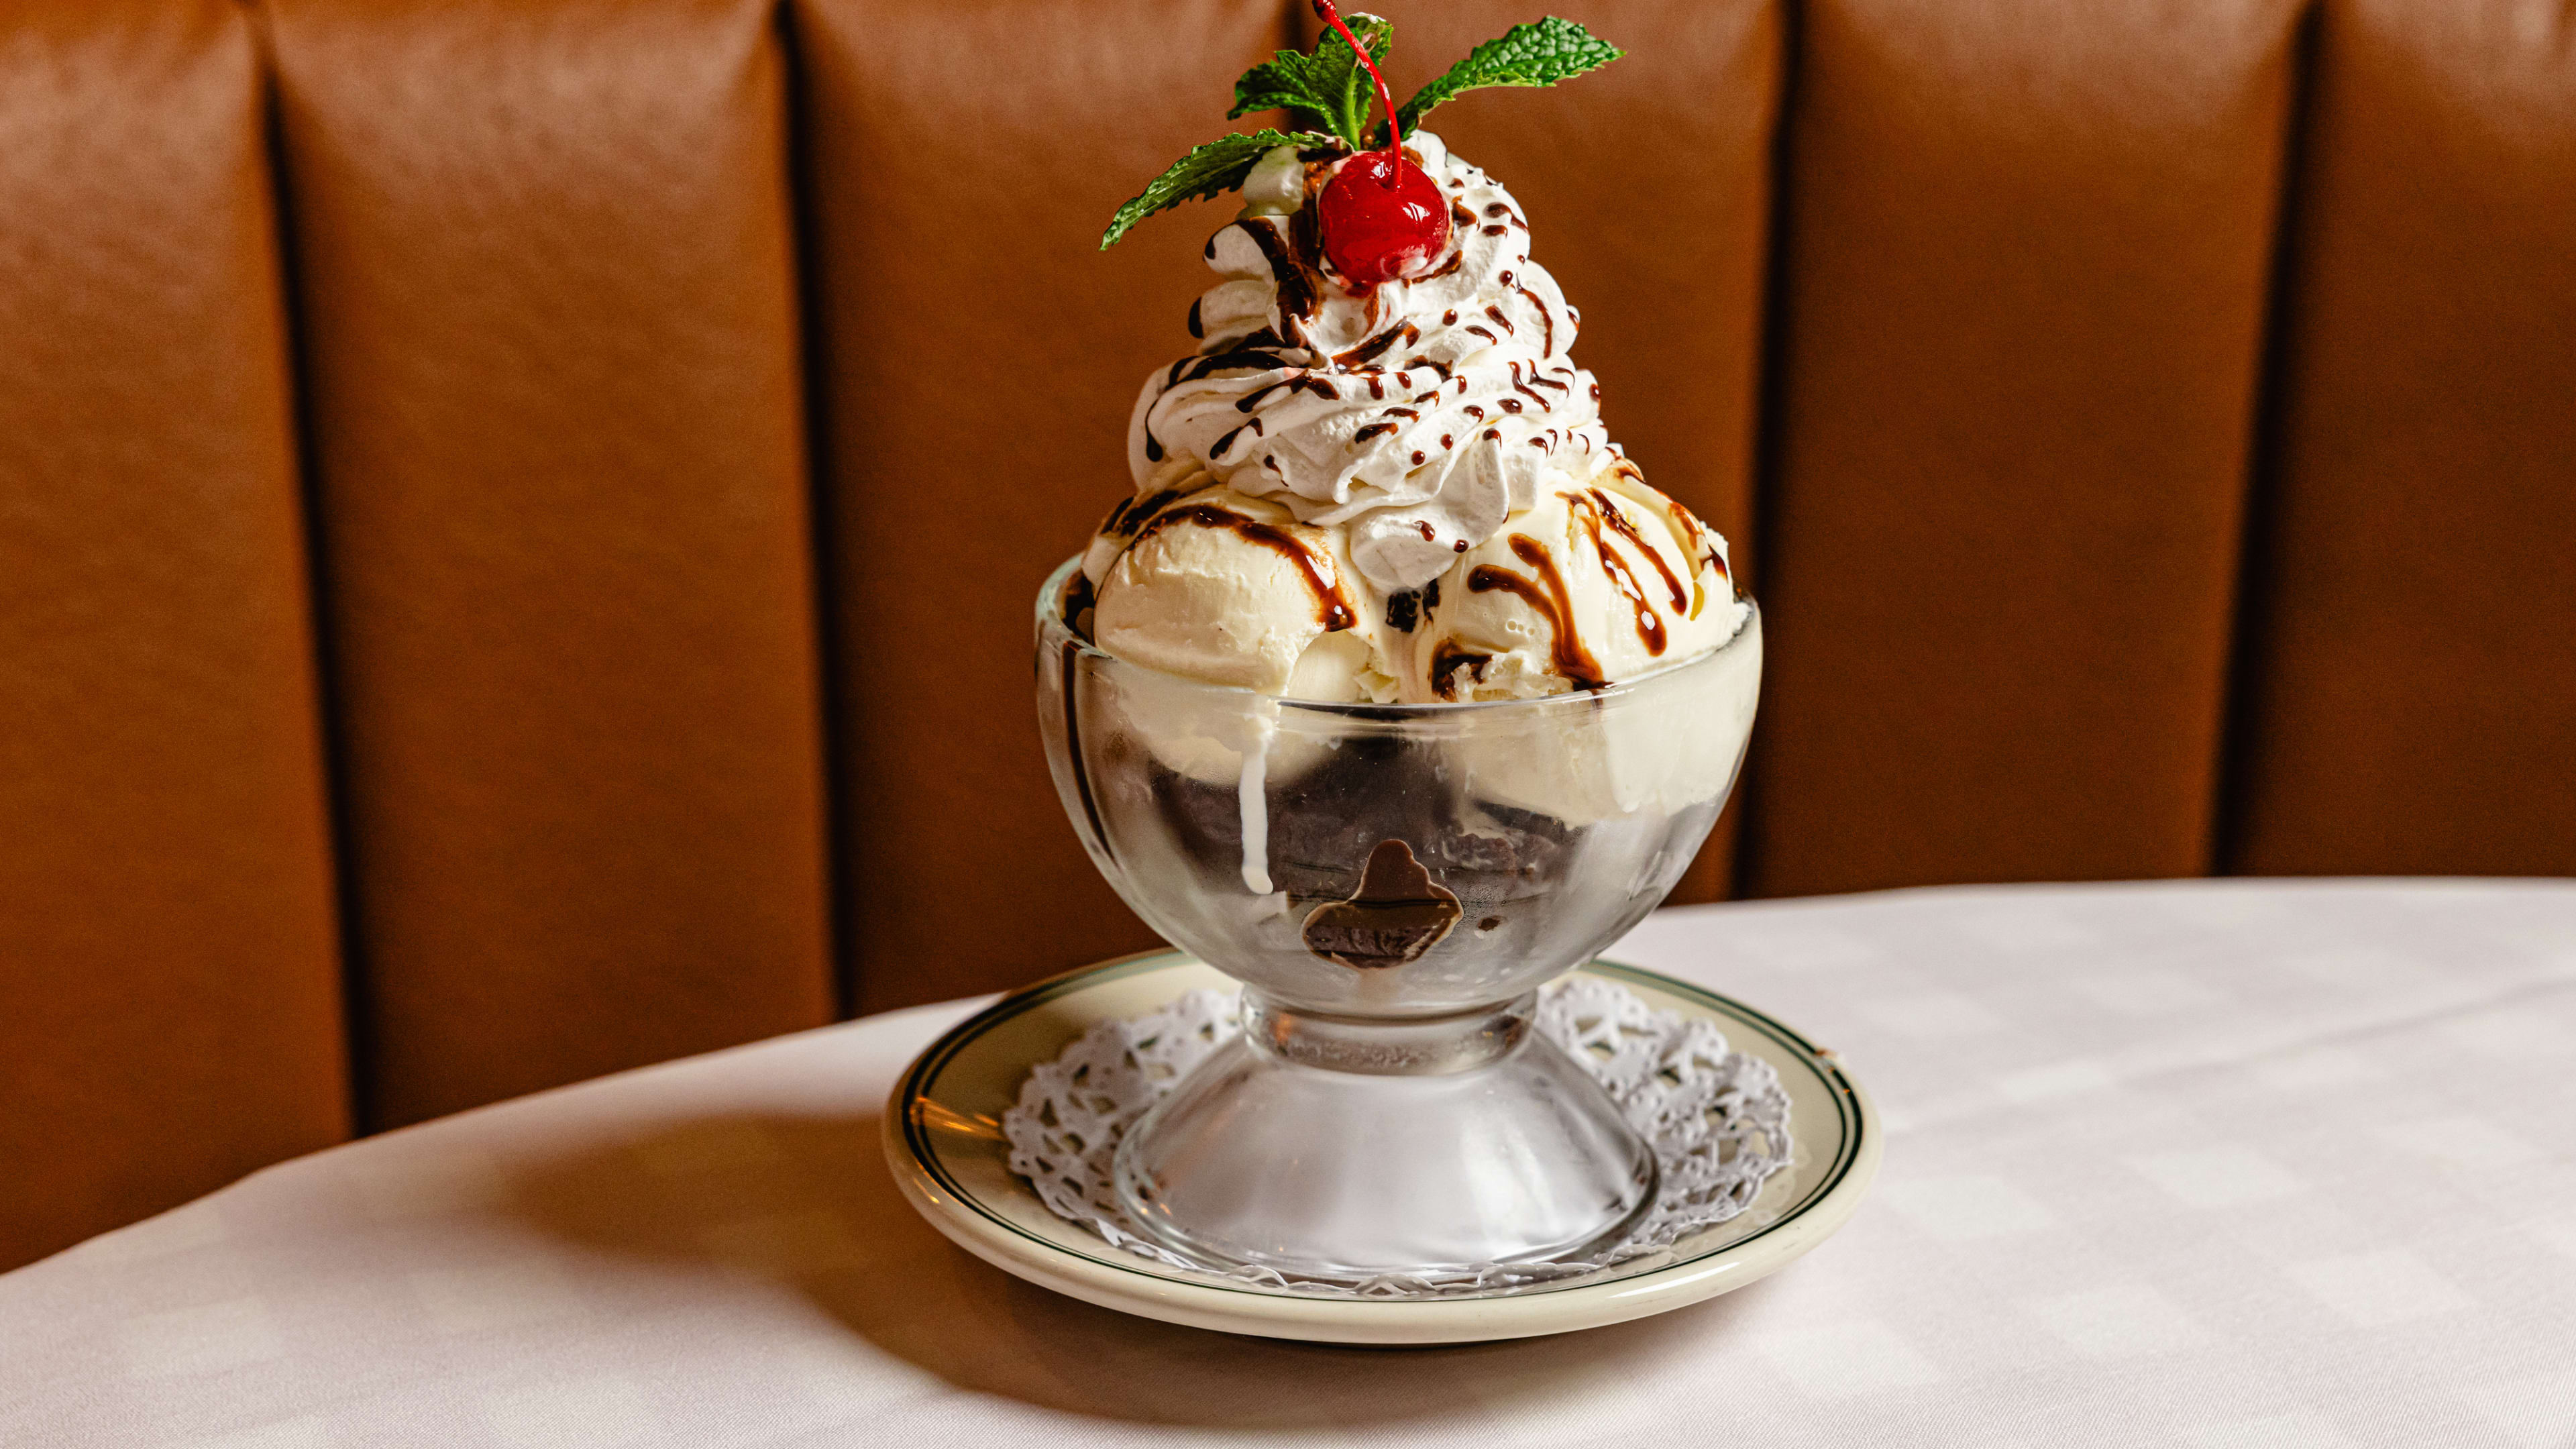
(802, 1210)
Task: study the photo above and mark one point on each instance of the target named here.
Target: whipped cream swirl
(1421, 414)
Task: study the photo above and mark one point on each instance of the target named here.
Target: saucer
(943, 1139)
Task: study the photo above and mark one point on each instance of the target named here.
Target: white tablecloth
(2230, 1164)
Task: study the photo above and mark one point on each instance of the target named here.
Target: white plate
(943, 1138)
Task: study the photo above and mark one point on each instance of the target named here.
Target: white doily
(1717, 1119)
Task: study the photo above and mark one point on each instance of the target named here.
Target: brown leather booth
(518, 517)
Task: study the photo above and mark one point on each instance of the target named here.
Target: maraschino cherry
(1382, 217)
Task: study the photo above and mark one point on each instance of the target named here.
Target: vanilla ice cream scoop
(1225, 588)
(1601, 579)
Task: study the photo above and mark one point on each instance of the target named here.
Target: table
(2209, 1163)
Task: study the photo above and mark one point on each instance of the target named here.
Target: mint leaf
(1328, 90)
(1219, 166)
(1537, 54)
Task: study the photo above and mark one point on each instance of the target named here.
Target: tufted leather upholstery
(498, 567)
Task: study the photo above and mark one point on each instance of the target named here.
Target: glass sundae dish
(1395, 693)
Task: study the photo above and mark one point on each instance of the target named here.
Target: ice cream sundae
(1393, 691)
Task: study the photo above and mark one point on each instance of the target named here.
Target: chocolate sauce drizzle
(1546, 318)
(1567, 656)
(1611, 515)
(1702, 553)
(1447, 659)
(1297, 295)
(1650, 626)
(1250, 352)
(1226, 443)
(1369, 351)
(1251, 400)
(1698, 540)
(1131, 514)
(1521, 386)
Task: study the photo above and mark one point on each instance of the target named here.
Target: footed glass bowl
(1392, 884)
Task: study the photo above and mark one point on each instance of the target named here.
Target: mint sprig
(1219, 166)
(1327, 90)
(1540, 53)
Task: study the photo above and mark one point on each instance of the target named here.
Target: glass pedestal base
(1341, 1149)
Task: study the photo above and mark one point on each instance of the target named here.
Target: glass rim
(1053, 633)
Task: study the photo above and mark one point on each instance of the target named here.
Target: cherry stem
(1386, 98)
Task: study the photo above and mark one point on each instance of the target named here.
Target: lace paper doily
(1717, 1119)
